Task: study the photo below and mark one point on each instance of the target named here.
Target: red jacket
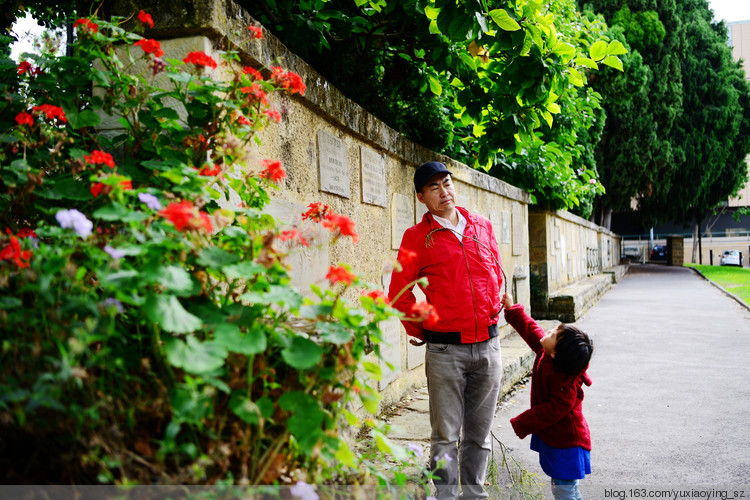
(556, 415)
(464, 278)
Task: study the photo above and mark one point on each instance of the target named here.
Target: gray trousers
(463, 382)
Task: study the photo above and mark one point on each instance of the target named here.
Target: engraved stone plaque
(402, 218)
(506, 228)
(518, 229)
(333, 165)
(372, 173)
(390, 349)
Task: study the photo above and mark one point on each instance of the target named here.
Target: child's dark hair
(573, 350)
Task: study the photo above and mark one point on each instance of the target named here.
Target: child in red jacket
(559, 432)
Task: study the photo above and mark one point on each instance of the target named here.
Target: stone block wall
(566, 250)
(336, 153)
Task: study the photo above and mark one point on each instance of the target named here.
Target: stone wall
(566, 250)
(336, 153)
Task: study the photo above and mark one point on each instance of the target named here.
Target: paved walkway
(669, 406)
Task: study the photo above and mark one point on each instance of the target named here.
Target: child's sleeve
(549, 413)
(527, 328)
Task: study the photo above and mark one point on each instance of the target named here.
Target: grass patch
(735, 280)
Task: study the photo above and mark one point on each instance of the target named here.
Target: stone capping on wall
(225, 22)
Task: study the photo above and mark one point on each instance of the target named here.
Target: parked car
(632, 253)
(731, 258)
(659, 252)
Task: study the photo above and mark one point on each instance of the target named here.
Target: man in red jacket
(457, 252)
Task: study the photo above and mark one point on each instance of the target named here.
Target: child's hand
(507, 300)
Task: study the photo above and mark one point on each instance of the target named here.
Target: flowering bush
(150, 333)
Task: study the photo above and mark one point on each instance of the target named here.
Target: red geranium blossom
(150, 46)
(423, 311)
(255, 31)
(200, 59)
(273, 115)
(344, 225)
(87, 24)
(23, 67)
(255, 93)
(13, 252)
(52, 112)
(24, 118)
(146, 19)
(100, 158)
(183, 215)
(317, 212)
(273, 171)
(288, 80)
(377, 295)
(254, 73)
(340, 274)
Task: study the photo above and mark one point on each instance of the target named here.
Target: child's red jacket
(556, 397)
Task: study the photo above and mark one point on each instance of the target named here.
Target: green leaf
(216, 257)
(168, 313)
(302, 353)
(598, 50)
(194, 356)
(231, 337)
(613, 62)
(502, 19)
(585, 61)
(616, 48)
(335, 333)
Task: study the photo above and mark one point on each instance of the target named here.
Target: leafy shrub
(150, 333)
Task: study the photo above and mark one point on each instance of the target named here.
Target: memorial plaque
(519, 228)
(372, 173)
(402, 218)
(333, 165)
(506, 228)
(390, 349)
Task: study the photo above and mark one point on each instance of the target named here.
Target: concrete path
(669, 408)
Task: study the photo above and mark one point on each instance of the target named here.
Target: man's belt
(431, 337)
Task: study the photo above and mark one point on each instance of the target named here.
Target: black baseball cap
(426, 171)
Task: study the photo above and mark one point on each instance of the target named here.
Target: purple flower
(150, 200)
(416, 449)
(76, 220)
(114, 253)
(304, 491)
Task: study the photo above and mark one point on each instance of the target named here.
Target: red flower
(406, 257)
(344, 225)
(87, 24)
(14, 253)
(255, 93)
(52, 112)
(100, 158)
(287, 80)
(293, 234)
(273, 115)
(200, 59)
(254, 73)
(24, 118)
(97, 188)
(317, 212)
(23, 67)
(183, 215)
(340, 274)
(145, 19)
(423, 311)
(255, 31)
(210, 172)
(377, 295)
(150, 46)
(273, 171)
